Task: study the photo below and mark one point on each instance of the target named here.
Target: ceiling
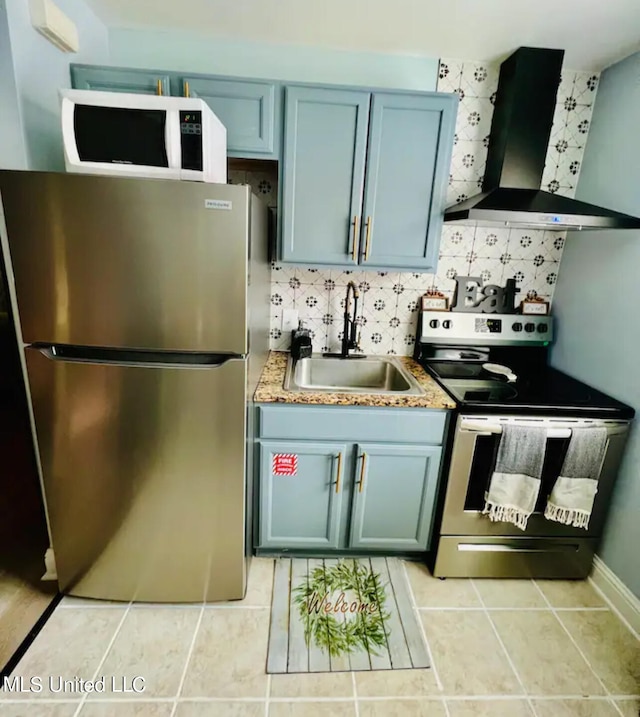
(594, 33)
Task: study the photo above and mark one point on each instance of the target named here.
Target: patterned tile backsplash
(388, 306)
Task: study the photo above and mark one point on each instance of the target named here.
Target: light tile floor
(500, 648)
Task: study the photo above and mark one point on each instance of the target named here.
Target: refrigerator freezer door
(108, 261)
(144, 476)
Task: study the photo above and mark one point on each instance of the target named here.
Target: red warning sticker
(285, 464)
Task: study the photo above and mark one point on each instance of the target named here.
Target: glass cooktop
(540, 389)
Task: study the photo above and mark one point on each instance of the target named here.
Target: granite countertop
(270, 389)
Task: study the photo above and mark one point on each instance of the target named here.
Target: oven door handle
(480, 430)
(547, 546)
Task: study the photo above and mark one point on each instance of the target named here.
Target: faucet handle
(358, 339)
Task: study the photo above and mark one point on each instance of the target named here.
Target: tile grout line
(504, 648)
(104, 658)
(221, 606)
(355, 693)
(164, 606)
(424, 635)
(615, 707)
(446, 707)
(330, 700)
(267, 700)
(512, 609)
(570, 636)
(274, 567)
(192, 645)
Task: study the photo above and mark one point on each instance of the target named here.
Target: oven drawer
(510, 557)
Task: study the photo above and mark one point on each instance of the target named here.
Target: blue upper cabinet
(410, 143)
(403, 177)
(249, 110)
(113, 79)
(324, 165)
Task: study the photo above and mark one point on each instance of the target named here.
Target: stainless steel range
(495, 367)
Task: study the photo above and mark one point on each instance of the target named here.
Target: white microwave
(142, 136)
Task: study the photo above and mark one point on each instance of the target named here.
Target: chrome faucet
(349, 340)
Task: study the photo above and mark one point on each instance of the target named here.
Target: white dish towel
(571, 499)
(515, 483)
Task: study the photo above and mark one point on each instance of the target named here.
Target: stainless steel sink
(373, 374)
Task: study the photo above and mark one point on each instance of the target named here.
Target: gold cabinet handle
(159, 87)
(354, 251)
(368, 239)
(339, 472)
(362, 469)
(186, 89)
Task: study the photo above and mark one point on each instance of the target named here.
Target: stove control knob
(446, 324)
(529, 328)
(542, 328)
(434, 323)
(517, 326)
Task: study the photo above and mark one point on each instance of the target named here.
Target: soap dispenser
(301, 343)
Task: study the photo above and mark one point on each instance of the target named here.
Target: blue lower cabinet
(394, 496)
(301, 486)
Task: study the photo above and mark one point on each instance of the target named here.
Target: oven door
(473, 460)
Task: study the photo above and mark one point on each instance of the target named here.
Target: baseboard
(616, 593)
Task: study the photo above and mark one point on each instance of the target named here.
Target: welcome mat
(343, 614)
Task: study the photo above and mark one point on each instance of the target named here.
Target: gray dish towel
(571, 499)
(515, 483)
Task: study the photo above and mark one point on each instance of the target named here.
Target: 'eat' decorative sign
(472, 295)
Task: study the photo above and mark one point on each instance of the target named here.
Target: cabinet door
(246, 109)
(410, 143)
(393, 497)
(301, 510)
(114, 79)
(324, 158)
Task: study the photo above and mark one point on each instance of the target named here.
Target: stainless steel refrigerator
(142, 311)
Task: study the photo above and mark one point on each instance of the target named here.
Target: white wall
(183, 51)
(13, 153)
(39, 70)
(597, 298)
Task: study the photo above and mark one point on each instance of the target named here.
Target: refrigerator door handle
(134, 357)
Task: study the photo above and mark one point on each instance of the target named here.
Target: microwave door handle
(173, 138)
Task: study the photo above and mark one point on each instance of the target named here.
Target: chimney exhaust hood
(520, 131)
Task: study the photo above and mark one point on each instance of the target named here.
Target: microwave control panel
(191, 139)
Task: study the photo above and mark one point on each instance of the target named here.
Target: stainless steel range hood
(520, 131)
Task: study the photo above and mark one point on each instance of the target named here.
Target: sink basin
(353, 375)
